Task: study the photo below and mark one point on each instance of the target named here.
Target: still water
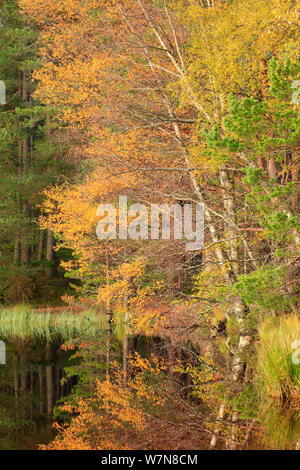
(32, 382)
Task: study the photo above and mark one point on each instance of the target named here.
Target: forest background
(164, 101)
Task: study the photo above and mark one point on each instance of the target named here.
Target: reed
(279, 375)
(278, 381)
(23, 322)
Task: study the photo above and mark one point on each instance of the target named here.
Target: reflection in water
(282, 424)
(31, 382)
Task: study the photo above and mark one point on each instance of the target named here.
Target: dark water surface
(32, 381)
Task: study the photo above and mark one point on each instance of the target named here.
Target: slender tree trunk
(272, 170)
(23, 376)
(234, 430)
(16, 378)
(41, 246)
(295, 179)
(109, 320)
(41, 389)
(238, 366)
(24, 244)
(125, 348)
(17, 250)
(25, 145)
(50, 252)
(57, 383)
(50, 244)
(125, 338)
(49, 381)
(230, 220)
(221, 414)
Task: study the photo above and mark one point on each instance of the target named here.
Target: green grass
(25, 323)
(279, 375)
(282, 426)
(278, 381)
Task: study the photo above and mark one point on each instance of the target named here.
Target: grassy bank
(26, 323)
(279, 380)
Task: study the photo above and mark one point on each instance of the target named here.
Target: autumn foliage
(174, 102)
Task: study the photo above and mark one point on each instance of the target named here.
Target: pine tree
(30, 160)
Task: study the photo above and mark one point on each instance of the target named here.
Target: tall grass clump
(278, 380)
(25, 323)
(280, 377)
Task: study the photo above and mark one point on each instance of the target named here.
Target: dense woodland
(162, 101)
